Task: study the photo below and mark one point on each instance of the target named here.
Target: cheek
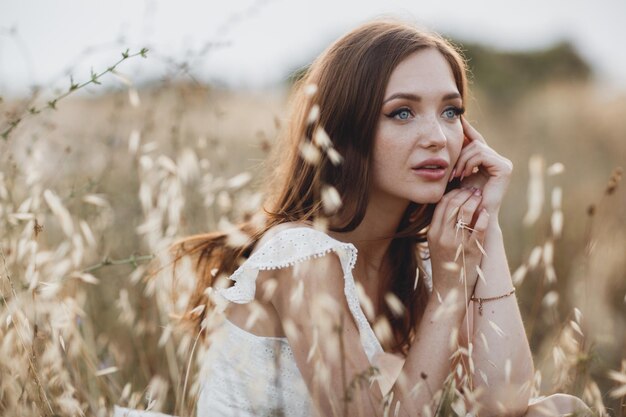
(386, 156)
(456, 141)
(382, 161)
(384, 146)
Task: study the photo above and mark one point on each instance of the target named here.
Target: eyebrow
(413, 97)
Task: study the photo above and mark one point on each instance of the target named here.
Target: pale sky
(259, 42)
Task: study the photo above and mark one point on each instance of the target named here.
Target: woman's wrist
(494, 214)
(493, 227)
(452, 301)
(493, 285)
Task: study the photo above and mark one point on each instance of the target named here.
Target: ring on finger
(460, 224)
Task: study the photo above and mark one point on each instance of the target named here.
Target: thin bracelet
(482, 300)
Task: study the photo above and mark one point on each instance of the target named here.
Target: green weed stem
(51, 104)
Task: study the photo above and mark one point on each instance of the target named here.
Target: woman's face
(419, 120)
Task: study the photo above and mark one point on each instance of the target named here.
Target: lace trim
(300, 259)
(427, 271)
(287, 248)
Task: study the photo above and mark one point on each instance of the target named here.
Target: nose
(432, 135)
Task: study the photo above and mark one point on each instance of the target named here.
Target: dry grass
(85, 191)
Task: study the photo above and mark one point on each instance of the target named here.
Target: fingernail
(462, 175)
(477, 191)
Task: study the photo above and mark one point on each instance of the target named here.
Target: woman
(333, 296)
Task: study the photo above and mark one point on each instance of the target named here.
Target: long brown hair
(341, 94)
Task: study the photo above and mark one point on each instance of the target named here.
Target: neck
(373, 235)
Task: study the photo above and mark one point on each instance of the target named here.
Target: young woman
(336, 309)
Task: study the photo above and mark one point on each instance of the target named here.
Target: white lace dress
(247, 375)
(244, 375)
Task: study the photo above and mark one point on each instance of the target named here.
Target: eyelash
(457, 111)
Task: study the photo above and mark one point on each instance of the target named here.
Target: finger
(489, 161)
(464, 157)
(469, 207)
(442, 211)
(465, 215)
(471, 133)
(480, 228)
(454, 206)
(472, 165)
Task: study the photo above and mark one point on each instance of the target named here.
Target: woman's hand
(481, 167)
(449, 229)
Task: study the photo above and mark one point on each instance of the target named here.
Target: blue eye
(401, 114)
(453, 112)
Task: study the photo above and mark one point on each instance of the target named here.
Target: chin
(430, 198)
(434, 195)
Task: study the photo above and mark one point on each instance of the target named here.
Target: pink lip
(431, 174)
(433, 161)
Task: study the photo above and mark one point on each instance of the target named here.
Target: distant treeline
(505, 76)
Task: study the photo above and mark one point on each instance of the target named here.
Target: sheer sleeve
(290, 246)
(285, 249)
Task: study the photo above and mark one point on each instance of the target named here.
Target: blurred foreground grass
(120, 175)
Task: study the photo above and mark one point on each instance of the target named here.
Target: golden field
(89, 191)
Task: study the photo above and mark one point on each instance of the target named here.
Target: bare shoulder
(315, 275)
(310, 304)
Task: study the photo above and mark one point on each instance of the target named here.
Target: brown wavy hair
(350, 79)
